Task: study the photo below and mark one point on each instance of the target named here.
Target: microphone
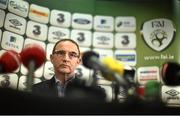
(126, 71)
(33, 53)
(9, 61)
(152, 91)
(33, 56)
(91, 60)
(164, 94)
(114, 65)
(171, 73)
(152, 94)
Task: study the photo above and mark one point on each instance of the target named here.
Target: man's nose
(66, 56)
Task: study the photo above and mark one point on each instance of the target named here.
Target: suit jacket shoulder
(45, 88)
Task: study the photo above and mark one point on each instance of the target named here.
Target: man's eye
(60, 52)
(73, 54)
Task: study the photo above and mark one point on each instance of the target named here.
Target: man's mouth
(64, 65)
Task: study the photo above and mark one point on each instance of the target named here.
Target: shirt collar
(68, 80)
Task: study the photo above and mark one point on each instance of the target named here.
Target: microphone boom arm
(30, 76)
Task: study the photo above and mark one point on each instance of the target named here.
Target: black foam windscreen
(171, 73)
(87, 58)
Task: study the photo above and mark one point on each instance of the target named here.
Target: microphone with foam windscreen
(33, 56)
(119, 67)
(33, 53)
(113, 72)
(9, 61)
(114, 65)
(153, 94)
(171, 73)
(152, 90)
(164, 94)
(91, 60)
(126, 72)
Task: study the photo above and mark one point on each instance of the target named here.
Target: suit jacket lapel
(52, 87)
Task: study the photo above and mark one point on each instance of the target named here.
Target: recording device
(114, 65)
(167, 95)
(33, 53)
(9, 61)
(127, 72)
(152, 90)
(91, 60)
(112, 70)
(171, 73)
(33, 56)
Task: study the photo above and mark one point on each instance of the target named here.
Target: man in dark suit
(65, 58)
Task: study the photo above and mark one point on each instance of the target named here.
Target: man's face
(65, 57)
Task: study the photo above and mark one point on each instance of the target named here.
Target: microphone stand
(30, 76)
(119, 82)
(116, 88)
(94, 81)
(1, 69)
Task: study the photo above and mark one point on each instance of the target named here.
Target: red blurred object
(140, 91)
(9, 61)
(33, 53)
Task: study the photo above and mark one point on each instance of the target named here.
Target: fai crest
(158, 33)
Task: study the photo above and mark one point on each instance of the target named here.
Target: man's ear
(80, 61)
(51, 57)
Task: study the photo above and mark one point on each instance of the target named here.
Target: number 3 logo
(37, 30)
(60, 18)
